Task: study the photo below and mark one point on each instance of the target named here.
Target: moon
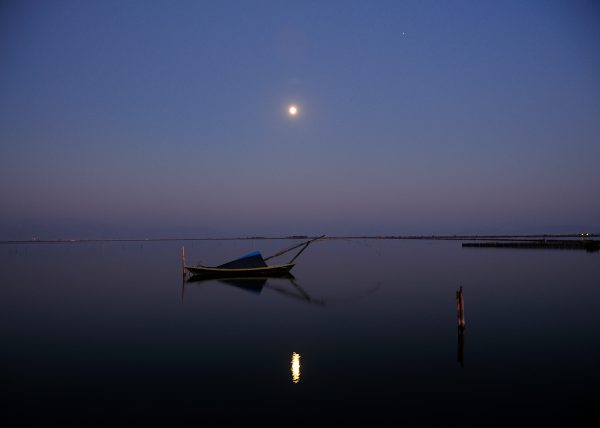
(293, 110)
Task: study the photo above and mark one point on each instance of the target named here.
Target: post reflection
(295, 367)
(460, 348)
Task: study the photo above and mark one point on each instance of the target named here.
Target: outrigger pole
(302, 244)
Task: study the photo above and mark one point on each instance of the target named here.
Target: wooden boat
(221, 272)
(252, 264)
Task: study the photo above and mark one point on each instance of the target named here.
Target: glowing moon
(293, 110)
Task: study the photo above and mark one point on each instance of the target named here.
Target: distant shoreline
(294, 237)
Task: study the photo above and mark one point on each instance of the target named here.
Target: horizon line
(382, 237)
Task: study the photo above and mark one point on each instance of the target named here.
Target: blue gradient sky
(135, 118)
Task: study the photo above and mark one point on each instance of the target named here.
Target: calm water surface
(107, 333)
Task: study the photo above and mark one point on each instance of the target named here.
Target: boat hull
(214, 272)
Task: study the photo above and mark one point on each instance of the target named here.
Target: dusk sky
(169, 118)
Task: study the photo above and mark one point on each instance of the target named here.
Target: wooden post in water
(460, 308)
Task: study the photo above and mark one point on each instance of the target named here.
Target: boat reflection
(256, 285)
(295, 367)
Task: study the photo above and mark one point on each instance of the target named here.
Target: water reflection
(295, 367)
(258, 284)
(460, 347)
(460, 312)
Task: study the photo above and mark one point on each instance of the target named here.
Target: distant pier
(558, 244)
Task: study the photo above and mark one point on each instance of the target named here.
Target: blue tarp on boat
(250, 260)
